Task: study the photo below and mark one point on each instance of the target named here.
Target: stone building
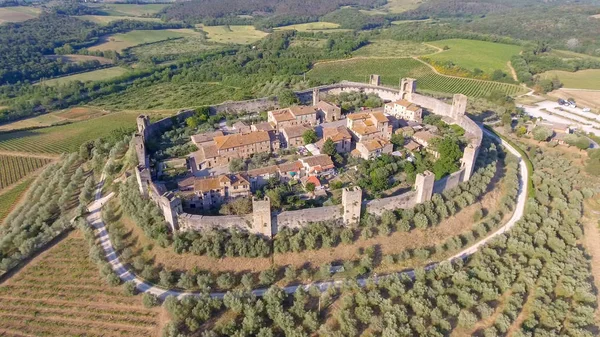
(404, 109)
(340, 136)
(327, 112)
(369, 125)
(213, 191)
(244, 146)
(291, 136)
(318, 164)
(292, 116)
(372, 148)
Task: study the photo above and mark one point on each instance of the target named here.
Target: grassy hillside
(233, 34)
(95, 75)
(393, 48)
(325, 27)
(121, 41)
(471, 54)
(106, 19)
(583, 79)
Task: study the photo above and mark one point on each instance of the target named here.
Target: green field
(105, 19)
(133, 9)
(18, 14)
(583, 79)
(393, 48)
(326, 27)
(14, 168)
(9, 198)
(471, 54)
(391, 70)
(233, 34)
(169, 96)
(65, 138)
(95, 75)
(121, 41)
(185, 45)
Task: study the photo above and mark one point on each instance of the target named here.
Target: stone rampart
(299, 218)
(294, 219)
(402, 201)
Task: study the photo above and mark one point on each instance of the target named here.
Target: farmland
(182, 46)
(133, 9)
(61, 293)
(233, 34)
(55, 118)
(326, 27)
(471, 54)
(170, 96)
(14, 168)
(95, 75)
(105, 19)
(393, 48)
(394, 69)
(18, 14)
(10, 197)
(121, 41)
(583, 79)
(65, 138)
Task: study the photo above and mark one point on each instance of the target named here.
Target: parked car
(561, 101)
(586, 110)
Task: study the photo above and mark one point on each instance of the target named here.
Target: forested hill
(198, 10)
(23, 45)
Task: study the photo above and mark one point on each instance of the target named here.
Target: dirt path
(438, 49)
(512, 71)
(591, 242)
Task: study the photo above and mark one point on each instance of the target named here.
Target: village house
(292, 116)
(206, 157)
(340, 136)
(412, 147)
(327, 112)
(262, 126)
(210, 192)
(292, 135)
(205, 138)
(372, 148)
(425, 139)
(243, 146)
(240, 127)
(405, 110)
(260, 177)
(369, 125)
(318, 164)
(290, 171)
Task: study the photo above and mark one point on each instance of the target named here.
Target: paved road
(95, 220)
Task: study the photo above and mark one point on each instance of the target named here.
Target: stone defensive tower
(171, 207)
(424, 186)
(143, 178)
(407, 87)
(315, 96)
(459, 106)
(140, 150)
(468, 161)
(261, 216)
(374, 80)
(352, 204)
(143, 121)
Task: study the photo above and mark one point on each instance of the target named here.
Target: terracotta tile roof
(263, 170)
(282, 115)
(363, 129)
(379, 117)
(314, 180)
(414, 108)
(412, 146)
(336, 134)
(318, 162)
(374, 144)
(300, 110)
(205, 137)
(207, 184)
(424, 136)
(358, 116)
(294, 166)
(294, 131)
(264, 126)
(206, 151)
(236, 140)
(402, 102)
(187, 182)
(323, 105)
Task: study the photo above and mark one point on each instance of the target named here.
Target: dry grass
(18, 14)
(94, 75)
(121, 41)
(590, 98)
(325, 27)
(60, 293)
(104, 19)
(233, 34)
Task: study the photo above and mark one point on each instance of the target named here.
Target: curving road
(95, 220)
